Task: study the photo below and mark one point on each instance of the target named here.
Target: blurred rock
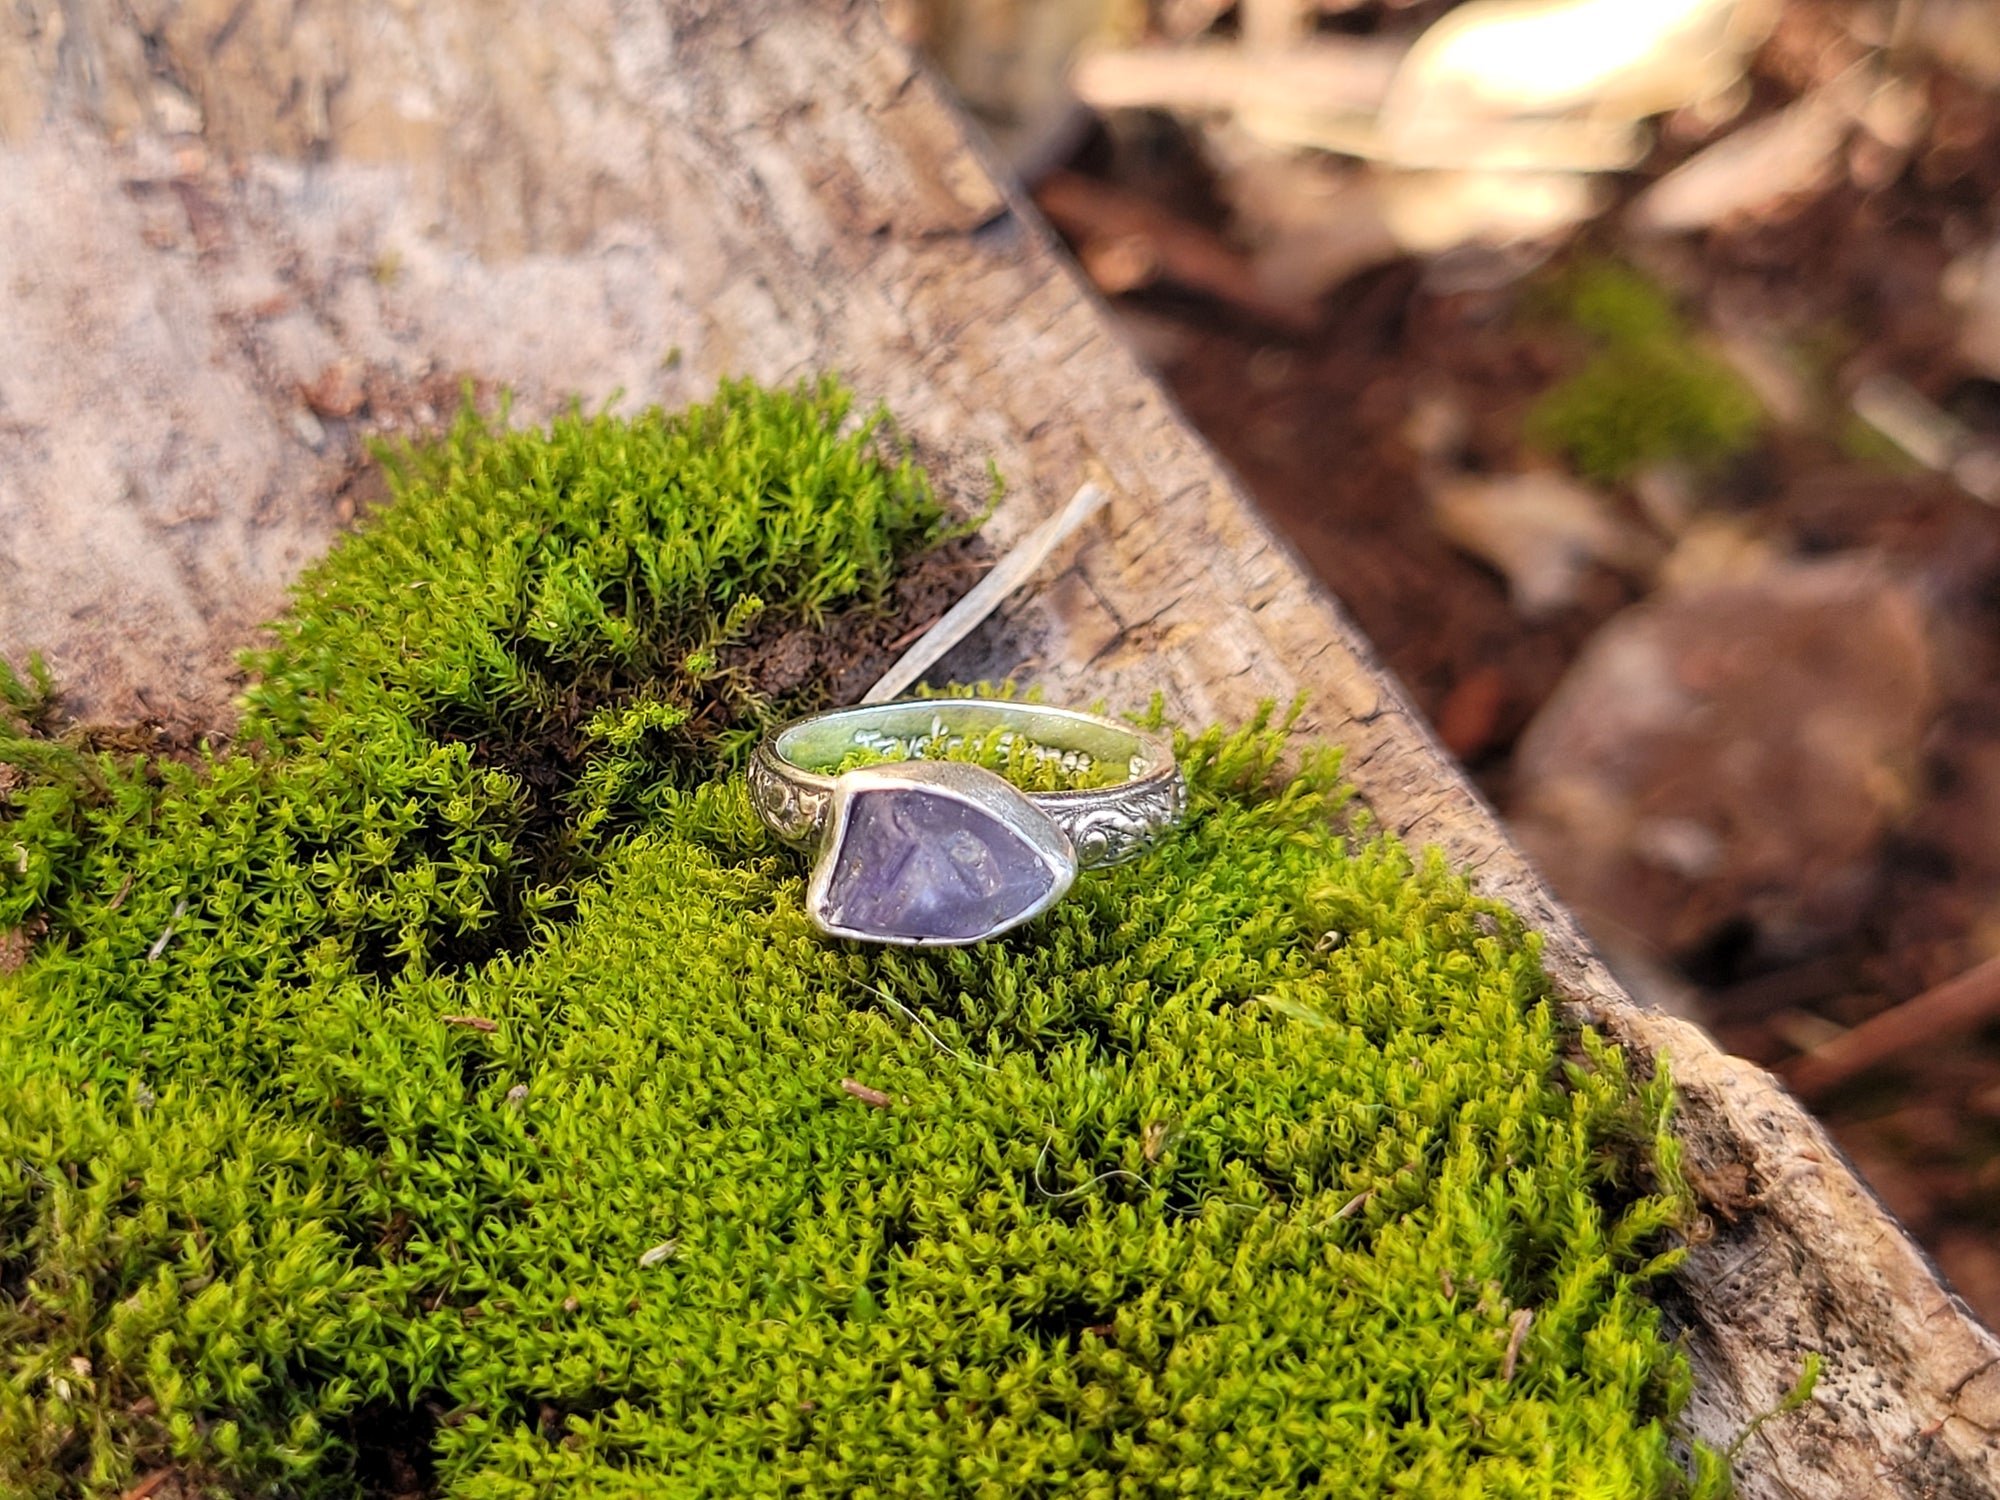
(1432, 212)
(1725, 758)
(337, 391)
(1964, 35)
(1542, 531)
(1553, 85)
(1758, 169)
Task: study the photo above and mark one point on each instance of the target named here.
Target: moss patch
(445, 1088)
(1648, 394)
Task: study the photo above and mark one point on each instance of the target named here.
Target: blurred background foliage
(1633, 374)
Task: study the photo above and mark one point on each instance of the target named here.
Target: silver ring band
(1105, 825)
(803, 796)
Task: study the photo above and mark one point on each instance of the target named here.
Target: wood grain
(211, 211)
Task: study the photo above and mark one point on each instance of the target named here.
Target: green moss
(1648, 394)
(457, 1045)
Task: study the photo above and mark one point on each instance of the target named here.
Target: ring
(941, 853)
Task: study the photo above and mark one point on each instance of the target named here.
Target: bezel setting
(988, 797)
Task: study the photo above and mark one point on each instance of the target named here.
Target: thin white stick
(1002, 579)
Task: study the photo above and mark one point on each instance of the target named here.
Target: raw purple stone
(915, 865)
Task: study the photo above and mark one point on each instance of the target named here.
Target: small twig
(477, 1023)
(123, 891)
(984, 597)
(1949, 1009)
(873, 1098)
(148, 1485)
(1346, 1210)
(160, 943)
(1522, 1319)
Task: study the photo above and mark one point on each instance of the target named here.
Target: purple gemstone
(918, 866)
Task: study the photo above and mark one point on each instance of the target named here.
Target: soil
(848, 654)
(1319, 426)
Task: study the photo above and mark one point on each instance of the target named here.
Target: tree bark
(237, 237)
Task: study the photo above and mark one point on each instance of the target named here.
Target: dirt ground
(1850, 282)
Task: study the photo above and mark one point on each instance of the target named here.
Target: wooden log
(236, 242)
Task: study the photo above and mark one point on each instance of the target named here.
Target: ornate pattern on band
(1109, 825)
(787, 799)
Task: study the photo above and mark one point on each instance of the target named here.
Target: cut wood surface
(238, 235)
